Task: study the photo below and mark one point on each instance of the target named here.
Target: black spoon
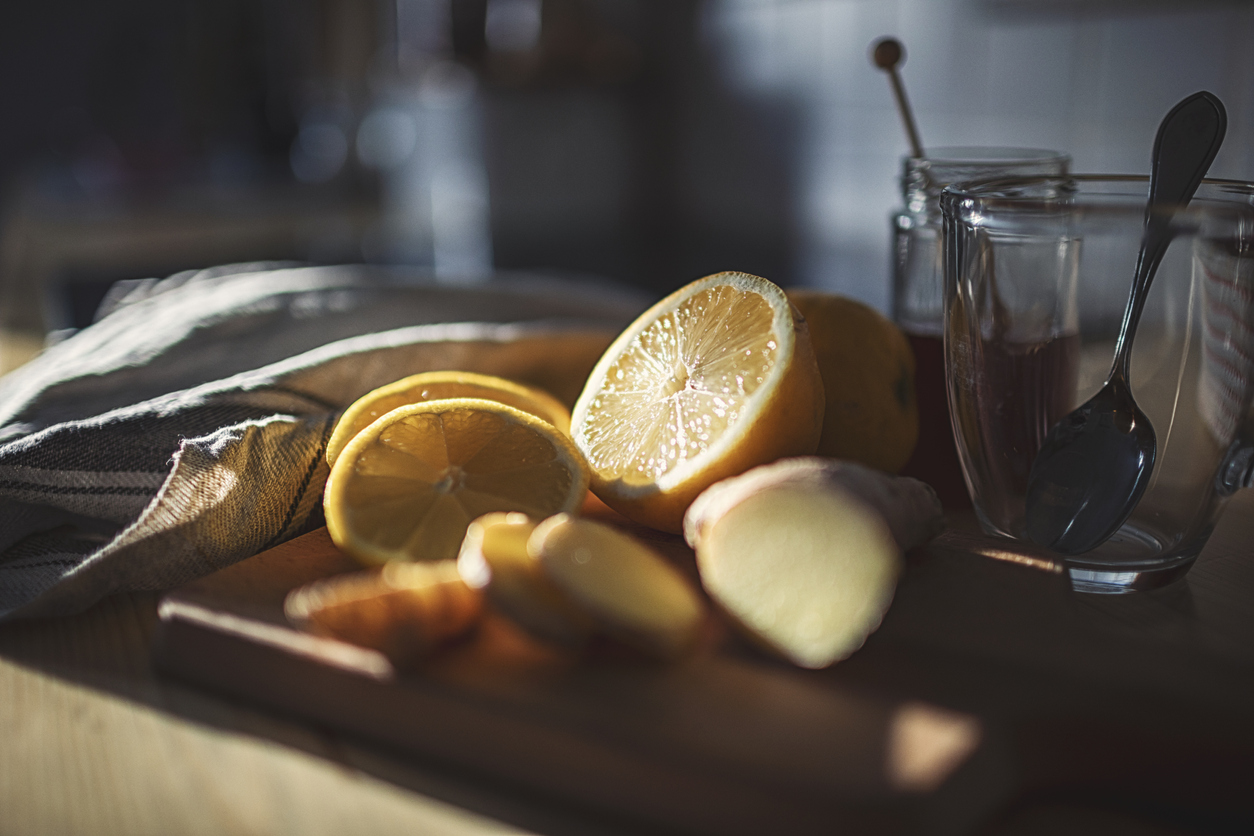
(1095, 463)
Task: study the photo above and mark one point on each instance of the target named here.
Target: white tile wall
(1089, 77)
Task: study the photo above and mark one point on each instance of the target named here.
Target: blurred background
(649, 142)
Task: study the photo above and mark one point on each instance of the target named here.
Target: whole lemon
(868, 379)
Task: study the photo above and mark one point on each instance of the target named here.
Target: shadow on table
(108, 649)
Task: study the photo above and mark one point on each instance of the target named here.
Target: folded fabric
(185, 429)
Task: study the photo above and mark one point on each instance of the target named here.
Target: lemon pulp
(680, 384)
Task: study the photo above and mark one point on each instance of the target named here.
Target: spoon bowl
(1069, 509)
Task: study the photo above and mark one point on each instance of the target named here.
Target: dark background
(645, 141)
(609, 145)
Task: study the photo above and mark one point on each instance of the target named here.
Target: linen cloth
(185, 429)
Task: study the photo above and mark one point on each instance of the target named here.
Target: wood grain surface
(720, 743)
(1113, 715)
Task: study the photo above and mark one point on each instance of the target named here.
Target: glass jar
(919, 289)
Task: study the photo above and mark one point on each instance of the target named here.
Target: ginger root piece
(494, 559)
(404, 610)
(805, 553)
(630, 592)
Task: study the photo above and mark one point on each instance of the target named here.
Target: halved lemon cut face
(407, 486)
(431, 386)
(715, 379)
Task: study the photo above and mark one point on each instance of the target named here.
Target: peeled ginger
(804, 554)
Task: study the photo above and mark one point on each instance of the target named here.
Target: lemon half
(714, 379)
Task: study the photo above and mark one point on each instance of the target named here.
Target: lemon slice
(407, 486)
(432, 386)
(714, 379)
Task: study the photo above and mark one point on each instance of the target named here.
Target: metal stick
(887, 53)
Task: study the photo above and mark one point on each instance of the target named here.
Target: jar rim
(975, 155)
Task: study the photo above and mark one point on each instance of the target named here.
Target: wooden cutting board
(988, 682)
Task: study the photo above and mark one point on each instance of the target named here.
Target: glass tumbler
(919, 288)
(1037, 275)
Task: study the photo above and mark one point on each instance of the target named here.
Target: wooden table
(94, 741)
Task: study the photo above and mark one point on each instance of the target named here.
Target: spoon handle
(1188, 140)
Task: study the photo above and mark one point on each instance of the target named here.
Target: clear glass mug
(1037, 274)
(919, 288)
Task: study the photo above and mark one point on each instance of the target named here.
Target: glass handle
(1236, 471)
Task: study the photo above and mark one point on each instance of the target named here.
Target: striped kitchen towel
(185, 429)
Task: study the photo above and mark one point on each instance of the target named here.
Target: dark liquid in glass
(935, 458)
(1020, 391)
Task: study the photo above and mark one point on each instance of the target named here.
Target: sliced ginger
(404, 610)
(629, 591)
(494, 559)
(805, 554)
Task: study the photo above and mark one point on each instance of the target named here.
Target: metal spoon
(1094, 465)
